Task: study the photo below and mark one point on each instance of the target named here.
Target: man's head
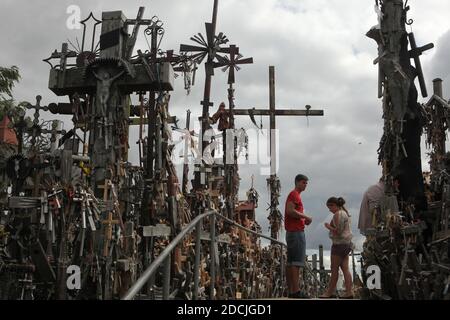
(301, 181)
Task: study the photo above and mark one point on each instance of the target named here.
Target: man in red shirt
(294, 222)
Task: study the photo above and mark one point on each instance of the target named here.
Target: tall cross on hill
(272, 112)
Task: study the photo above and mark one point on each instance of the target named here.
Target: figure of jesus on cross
(104, 84)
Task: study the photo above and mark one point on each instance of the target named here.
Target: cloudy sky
(322, 58)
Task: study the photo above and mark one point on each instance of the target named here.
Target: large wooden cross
(272, 112)
(274, 185)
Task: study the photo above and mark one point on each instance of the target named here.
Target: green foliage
(8, 107)
(8, 77)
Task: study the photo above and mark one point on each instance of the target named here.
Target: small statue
(104, 88)
(222, 116)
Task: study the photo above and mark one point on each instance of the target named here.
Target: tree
(8, 77)
(8, 108)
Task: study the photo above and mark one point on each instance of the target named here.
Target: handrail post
(166, 285)
(282, 270)
(198, 232)
(321, 265)
(164, 258)
(212, 256)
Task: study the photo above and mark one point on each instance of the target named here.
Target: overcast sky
(322, 58)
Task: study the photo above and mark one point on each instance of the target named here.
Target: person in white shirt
(341, 236)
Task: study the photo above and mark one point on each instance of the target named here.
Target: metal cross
(210, 48)
(187, 142)
(35, 130)
(94, 30)
(232, 64)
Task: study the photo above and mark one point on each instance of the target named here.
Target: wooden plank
(286, 112)
(160, 230)
(76, 83)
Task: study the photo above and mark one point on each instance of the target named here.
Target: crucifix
(274, 215)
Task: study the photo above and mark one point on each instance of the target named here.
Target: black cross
(94, 30)
(415, 54)
(36, 130)
(232, 64)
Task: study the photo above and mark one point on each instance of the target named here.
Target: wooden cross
(210, 48)
(273, 113)
(37, 109)
(202, 171)
(94, 30)
(132, 40)
(415, 54)
(108, 232)
(62, 56)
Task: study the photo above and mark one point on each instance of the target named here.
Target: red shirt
(291, 224)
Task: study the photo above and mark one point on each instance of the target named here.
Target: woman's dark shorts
(341, 250)
(296, 248)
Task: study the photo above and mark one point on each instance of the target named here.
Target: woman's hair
(340, 202)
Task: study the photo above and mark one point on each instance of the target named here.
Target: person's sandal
(328, 297)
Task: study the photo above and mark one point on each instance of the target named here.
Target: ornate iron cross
(232, 63)
(210, 47)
